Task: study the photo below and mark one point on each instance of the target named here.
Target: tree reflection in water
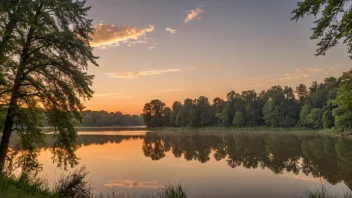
(316, 155)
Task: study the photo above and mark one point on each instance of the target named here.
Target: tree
(328, 119)
(238, 120)
(314, 118)
(166, 116)
(332, 25)
(44, 70)
(175, 109)
(187, 106)
(272, 115)
(223, 116)
(302, 92)
(153, 113)
(179, 118)
(305, 111)
(343, 112)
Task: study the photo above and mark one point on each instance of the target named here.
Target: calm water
(212, 164)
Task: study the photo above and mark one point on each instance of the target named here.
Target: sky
(172, 50)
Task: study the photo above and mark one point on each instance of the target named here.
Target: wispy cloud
(111, 95)
(132, 184)
(137, 74)
(191, 67)
(151, 47)
(193, 14)
(109, 35)
(299, 73)
(170, 30)
(305, 72)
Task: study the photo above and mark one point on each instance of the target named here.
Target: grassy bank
(13, 188)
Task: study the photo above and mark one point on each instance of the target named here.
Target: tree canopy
(44, 52)
(322, 105)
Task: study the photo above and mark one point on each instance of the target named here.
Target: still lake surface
(211, 164)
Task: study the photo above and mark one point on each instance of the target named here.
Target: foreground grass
(10, 188)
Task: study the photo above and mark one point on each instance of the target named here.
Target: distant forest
(106, 119)
(322, 105)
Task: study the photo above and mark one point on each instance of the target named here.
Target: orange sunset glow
(192, 50)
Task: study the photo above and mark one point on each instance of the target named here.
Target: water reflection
(316, 156)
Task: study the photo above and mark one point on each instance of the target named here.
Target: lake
(212, 164)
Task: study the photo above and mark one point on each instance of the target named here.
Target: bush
(74, 185)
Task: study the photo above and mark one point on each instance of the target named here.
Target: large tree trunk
(5, 140)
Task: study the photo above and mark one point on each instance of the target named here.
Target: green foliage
(238, 120)
(343, 112)
(179, 118)
(328, 119)
(153, 113)
(305, 111)
(104, 118)
(275, 107)
(176, 108)
(314, 118)
(302, 92)
(44, 51)
(332, 25)
(272, 115)
(74, 184)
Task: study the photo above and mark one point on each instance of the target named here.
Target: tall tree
(176, 107)
(46, 72)
(238, 120)
(153, 113)
(302, 92)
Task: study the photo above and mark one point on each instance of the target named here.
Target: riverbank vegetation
(323, 105)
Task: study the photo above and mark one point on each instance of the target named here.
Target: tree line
(320, 106)
(104, 118)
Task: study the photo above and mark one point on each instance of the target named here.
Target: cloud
(111, 95)
(193, 14)
(305, 72)
(151, 47)
(191, 67)
(109, 35)
(137, 74)
(132, 184)
(103, 95)
(170, 30)
(299, 73)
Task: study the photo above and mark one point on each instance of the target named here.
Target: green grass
(11, 188)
